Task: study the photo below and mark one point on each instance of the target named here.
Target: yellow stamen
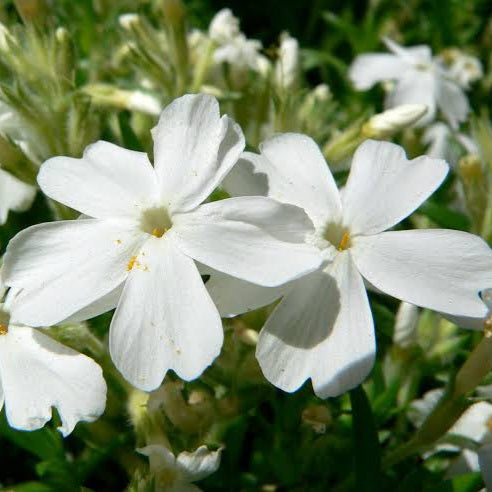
(344, 242)
(131, 263)
(158, 232)
(3, 329)
(487, 329)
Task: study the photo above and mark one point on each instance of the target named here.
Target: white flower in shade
(224, 27)
(419, 80)
(144, 229)
(14, 195)
(287, 67)
(473, 430)
(38, 373)
(323, 327)
(463, 68)
(176, 474)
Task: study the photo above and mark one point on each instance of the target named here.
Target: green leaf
(444, 217)
(29, 487)
(366, 447)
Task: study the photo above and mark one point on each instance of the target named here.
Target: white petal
(415, 87)
(485, 460)
(199, 464)
(384, 187)
(14, 195)
(452, 101)
(253, 238)
(438, 269)
(233, 296)
(107, 181)
(368, 69)
(63, 267)
(39, 373)
(165, 319)
(322, 330)
(160, 458)
(298, 174)
(194, 149)
(249, 176)
(473, 422)
(419, 53)
(102, 305)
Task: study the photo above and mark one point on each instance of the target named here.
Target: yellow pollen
(344, 242)
(158, 232)
(133, 261)
(3, 329)
(487, 329)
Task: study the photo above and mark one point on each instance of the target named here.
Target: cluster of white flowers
(145, 236)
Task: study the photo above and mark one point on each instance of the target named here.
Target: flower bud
(287, 68)
(224, 27)
(405, 332)
(393, 120)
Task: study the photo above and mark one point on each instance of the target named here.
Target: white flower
(463, 68)
(419, 80)
(173, 474)
(224, 27)
(323, 327)
(287, 67)
(38, 373)
(474, 430)
(439, 137)
(14, 195)
(144, 229)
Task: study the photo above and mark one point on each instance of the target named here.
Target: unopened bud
(393, 120)
(287, 68)
(475, 188)
(405, 332)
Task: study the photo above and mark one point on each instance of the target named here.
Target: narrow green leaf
(367, 451)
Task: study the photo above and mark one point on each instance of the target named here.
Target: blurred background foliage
(272, 441)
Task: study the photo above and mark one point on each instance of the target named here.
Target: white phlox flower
(440, 140)
(176, 474)
(323, 327)
(473, 429)
(38, 373)
(419, 78)
(142, 230)
(462, 67)
(14, 195)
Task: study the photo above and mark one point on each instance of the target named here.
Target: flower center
(156, 221)
(338, 236)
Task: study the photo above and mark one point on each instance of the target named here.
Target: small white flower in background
(323, 327)
(474, 430)
(419, 80)
(224, 27)
(440, 139)
(461, 67)
(14, 195)
(143, 229)
(232, 45)
(176, 474)
(392, 121)
(38, 373)
(287, 66)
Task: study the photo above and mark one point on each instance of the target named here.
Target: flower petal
(452, 101)
(323, 330)
(434, 268)
(108, 181)
(298, 174)
(63, 267)
(194, 149)
(199, 464)
(370, 68)
(384, 187)
(249, 177)
(14, 195)
(234, 296)
(39, 373)
(415, 87)
(253, 238)
(165, 319)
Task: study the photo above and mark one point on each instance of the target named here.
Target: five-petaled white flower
(419, 79)
(323, 327)
(136, 244)
(176, 474)
(38, 373)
